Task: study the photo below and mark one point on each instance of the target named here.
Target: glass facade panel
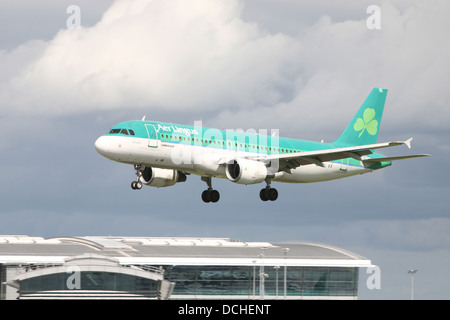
(245, 280)
(105, 281)
(215, 280)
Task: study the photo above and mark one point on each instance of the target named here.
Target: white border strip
(200, 261)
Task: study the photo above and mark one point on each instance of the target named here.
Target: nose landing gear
(137, 185)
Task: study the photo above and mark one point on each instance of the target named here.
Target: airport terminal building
(95, 267)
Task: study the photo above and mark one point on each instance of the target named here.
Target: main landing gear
(137, 185)
(210, 195)
(268, 193)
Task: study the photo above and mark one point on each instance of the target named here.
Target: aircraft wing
(318, 157)
(376, 160)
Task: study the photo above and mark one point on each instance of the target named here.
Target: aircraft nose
(102, 146)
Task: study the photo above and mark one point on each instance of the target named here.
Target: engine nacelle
(159, 178)
(245, 171)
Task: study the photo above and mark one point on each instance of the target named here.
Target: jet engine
(245, 171)
(159, 178)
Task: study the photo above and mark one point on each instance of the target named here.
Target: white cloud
(202, 56)
(341, 61)
(151, 54)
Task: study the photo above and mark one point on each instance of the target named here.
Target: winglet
(408, 143)
(143, 118)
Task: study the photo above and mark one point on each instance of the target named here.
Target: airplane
(164, 154)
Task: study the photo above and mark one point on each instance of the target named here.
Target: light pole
(262, 275)
(412, 272)
(254, 278)
(286, 250)
(276, 281)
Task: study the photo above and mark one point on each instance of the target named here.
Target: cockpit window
(122, 131)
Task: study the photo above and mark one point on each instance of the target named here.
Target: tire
(263, 194)
(214, 196)
(272, 194)
(206, 196)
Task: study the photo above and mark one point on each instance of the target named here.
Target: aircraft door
(153, 139)
(344, 164)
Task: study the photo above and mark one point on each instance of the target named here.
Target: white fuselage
(206, 161)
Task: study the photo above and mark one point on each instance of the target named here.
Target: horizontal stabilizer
(377, 160)
(315, 156)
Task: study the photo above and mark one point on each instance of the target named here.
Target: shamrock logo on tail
(367, 123)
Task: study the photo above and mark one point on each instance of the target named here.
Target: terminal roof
(174, 251)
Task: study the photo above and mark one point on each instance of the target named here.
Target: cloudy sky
(303, 67)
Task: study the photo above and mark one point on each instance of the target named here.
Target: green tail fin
(365, 125)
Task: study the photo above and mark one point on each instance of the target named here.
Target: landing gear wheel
(210, 195)
(206, 196)
(263, 194)
(268, 194)
(215, 195)
(273, 194)
(136, 185)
